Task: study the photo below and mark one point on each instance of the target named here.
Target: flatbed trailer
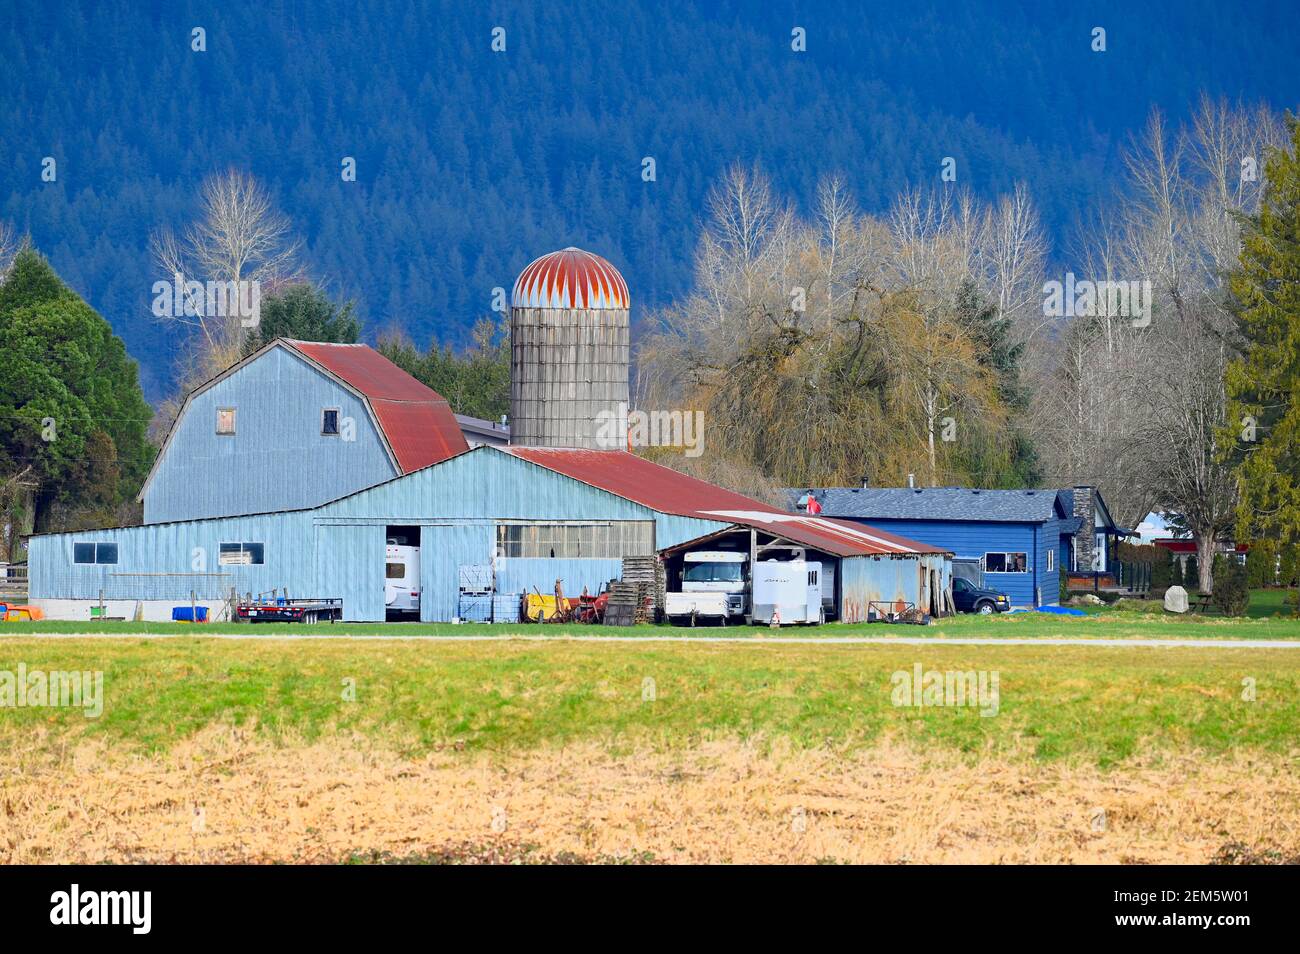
(284, 610)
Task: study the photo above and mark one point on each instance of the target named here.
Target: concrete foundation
(152, 611)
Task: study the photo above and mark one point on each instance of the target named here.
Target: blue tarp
(1062, 610)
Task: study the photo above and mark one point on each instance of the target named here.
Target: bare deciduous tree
(237, 236)
(1134, 406)
(826, 348)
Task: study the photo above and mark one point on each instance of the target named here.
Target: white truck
(788, 591)
(401, 577)
(713, 587)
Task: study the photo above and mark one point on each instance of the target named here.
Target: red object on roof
(668, 491)
(416, 421)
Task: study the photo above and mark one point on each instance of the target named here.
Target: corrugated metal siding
(485, 483)
(974, 539)
(671, 530)
(521, 575)
(864, 580)
(443, 551)
(337, 550)
(350, 564)
(277, 459)
(166, 561)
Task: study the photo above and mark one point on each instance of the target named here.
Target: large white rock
(1176, 600)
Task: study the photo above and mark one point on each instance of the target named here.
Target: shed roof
(669, 491)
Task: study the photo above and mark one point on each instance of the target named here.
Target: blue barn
(1016, 541)
(300, 470)
(296, 424)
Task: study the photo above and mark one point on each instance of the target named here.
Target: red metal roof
(840, 537)
(416, 420)
(669, 491)
(570, 278)
(627, 475)
(1188, 545)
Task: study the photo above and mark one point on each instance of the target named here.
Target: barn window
(94, 553)
(1005, 563)
(226, 420)
(575, 540)
(240, 554)
(329, 421)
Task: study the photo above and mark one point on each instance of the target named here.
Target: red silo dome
(570, 278)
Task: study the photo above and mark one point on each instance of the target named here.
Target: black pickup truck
(970, 598)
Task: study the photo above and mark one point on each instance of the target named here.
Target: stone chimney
(1085, 538)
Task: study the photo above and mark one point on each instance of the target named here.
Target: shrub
(1231, 593)
(1290, 569)
(1261, 564)
(1163, 569)
(1065, 586)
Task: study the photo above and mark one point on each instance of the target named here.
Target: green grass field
(1100, 705)
(1269, 618)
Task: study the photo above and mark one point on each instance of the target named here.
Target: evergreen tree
(1264, 384)
(1006, 458)
(1261, 564)
(1163, 574)
(305, 313)
(475, 381)
(72, 418)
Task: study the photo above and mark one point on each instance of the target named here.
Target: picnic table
(1202, 603)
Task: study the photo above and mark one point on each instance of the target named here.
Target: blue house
(1016, 541)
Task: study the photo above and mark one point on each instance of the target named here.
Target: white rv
(401, 578)
(713, 587)
(789, 591)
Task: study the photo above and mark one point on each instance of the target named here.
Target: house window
(241, 554)
(329, 422)
(1005, 563)
(226, 420)
(94, 553)
(1051, 560)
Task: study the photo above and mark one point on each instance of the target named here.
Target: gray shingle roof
(935, 503)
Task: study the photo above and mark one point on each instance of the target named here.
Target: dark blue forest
(471, 162)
